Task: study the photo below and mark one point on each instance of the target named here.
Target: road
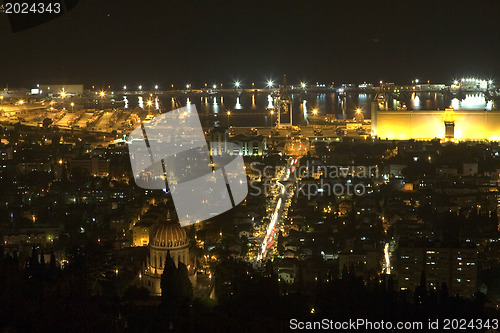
(279, 212)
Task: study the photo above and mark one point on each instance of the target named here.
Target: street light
(314, 111)
(214, 86)
(237, 84)
(124, 87)
(416, 81)
(21, 102)
(188, 85)
(102, 94)
(149, 103)
(272, 113)
(302, 84)
(72, 106)
(358, 110)
(270, 83)
(228, 114)
(140, 87)
(63, 94)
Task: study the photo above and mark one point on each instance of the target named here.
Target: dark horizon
(179, 42)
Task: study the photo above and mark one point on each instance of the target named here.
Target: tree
(46, 123)
(185, 287)
(169, 296)
(281, 248)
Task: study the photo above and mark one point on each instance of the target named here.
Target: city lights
(277, 185)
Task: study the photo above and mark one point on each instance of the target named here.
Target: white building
(168, 237)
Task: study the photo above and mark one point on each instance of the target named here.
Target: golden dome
(170, 234)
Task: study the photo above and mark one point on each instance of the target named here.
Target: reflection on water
(304, 110)
(252, 109)
(270, 102)
(415, 102)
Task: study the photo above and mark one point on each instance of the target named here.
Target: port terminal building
(448, 124)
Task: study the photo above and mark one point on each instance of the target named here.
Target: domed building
(169, 236)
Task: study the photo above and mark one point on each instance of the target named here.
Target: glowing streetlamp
(102, 94)
(214, 86)
(303, 85)
(149, 103)
(416, 81)
(228, 114)
(156, 87)
(237, 84)
(272, 113)
(188, 85)
(358, 110)
(140, 87)
(21, 102)
(72, 106)
(63, 94)
(270, 84)
(314, 111)
(124, 87)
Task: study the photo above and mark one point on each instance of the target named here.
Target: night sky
(162, 41)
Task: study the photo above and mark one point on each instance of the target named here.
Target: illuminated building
(95, 165)
(455, 266)
(55, 89)
(141, 231)
(168, 237)
(251, 146)
(446, 124)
